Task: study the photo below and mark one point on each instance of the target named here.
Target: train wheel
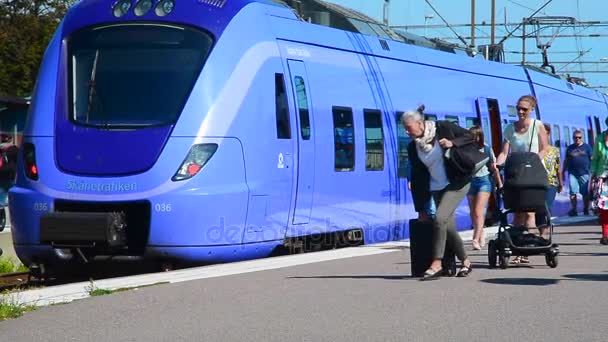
(2, 219)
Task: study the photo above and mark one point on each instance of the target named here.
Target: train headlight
(29, 161)
(198, 156)
(164, 7)
(142, 7)
(121, 8)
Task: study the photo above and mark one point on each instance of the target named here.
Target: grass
(11, 308)
(9, 265)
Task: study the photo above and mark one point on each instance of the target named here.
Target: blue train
(221, 130)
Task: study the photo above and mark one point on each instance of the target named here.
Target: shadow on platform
(371, 276)
(587, 277)
(521, 281)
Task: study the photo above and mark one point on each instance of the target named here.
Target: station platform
(352, 294)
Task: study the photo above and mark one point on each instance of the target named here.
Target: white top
(433, 161)
(521, 142)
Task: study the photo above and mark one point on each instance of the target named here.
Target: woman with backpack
(481, 188)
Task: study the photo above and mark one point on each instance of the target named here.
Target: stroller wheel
(503, 261)
(552, 260)
(492, 254)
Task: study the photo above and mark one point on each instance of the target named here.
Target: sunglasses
(578, 137)
(522, 108)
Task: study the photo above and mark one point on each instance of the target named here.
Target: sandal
(431, 274)
(524, 260)
(464, 271)
(516, 260)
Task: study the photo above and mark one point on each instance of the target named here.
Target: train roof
(332, 15)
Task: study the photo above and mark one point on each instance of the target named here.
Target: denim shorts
(578, 184)
(480, 184)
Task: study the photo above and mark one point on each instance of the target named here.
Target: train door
(488, 113)
(305, 159)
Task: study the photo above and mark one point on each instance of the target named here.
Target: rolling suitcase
(421, 246)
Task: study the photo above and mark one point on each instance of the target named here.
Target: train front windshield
(129, 76)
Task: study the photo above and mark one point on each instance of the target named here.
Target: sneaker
(572, 212)
(586, 212)
(604, 241)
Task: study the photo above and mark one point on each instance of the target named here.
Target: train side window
(282, 112)
(374, 140)
(556, 136)
(598, 126)
(550, 138)
(303, 108)
(430, 117)
(471, 121)
(511, 110)
(452, 119)
(403, 140)
(344, 139)
(567, 136)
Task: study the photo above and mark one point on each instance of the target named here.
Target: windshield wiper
(92, 86)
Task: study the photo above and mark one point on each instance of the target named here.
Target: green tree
(26, 27)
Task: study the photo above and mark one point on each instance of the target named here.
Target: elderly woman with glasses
(432, 176)
(525, 135)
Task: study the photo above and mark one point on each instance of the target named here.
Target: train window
(550, 137)
(133, 76)
(470, 122)
(430, 117)
(556, 136)
(452, 119)
(403, 141)
(344, 139)
(511, 110)
(486, 128)
(567, 136)
(303, 107)
(374, 140)
(598, 125)
(282, 112)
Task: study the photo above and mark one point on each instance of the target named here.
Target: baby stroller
(524, 191)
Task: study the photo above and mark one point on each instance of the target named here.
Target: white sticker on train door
(281, 163)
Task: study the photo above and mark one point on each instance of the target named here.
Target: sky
(563, 49)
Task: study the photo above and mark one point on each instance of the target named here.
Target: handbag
(466, 160)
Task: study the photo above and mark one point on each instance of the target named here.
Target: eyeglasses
(578, 137)
(522, 108)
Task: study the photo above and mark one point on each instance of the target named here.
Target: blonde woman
(524, 135)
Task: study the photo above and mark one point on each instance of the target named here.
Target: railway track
(16, 280)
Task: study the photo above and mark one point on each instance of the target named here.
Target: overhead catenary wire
(518, 26)
(447, 24)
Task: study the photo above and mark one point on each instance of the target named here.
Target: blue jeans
(579, 185)
(542, 217)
